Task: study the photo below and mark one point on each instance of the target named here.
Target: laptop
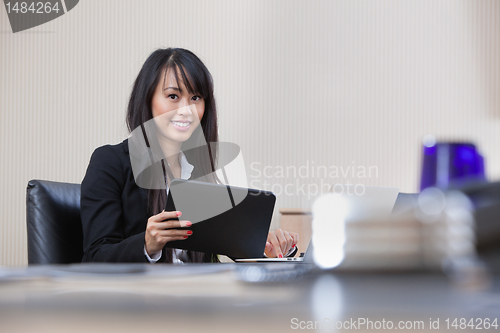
(286, 259)
(362, 201)
(367, 201)
(229, 220)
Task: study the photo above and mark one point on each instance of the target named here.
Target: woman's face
(177, 113)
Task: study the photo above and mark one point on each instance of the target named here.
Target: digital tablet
(228, 220)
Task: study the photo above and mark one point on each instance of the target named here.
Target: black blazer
(114, 209)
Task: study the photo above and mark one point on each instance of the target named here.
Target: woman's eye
(196, 98)
(173, 96)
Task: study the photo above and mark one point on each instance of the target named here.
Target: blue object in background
(446, 163)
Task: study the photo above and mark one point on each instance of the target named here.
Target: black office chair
(53, 221)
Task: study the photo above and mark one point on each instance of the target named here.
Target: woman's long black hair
(198, 80)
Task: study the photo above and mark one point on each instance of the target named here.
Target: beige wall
(299, 83)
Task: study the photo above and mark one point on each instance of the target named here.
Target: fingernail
(293, 245)
(280, 256)
(178, 213)
(189, 232)
(185, 224)
(185, 237)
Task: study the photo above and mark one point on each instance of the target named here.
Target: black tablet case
(240, 218)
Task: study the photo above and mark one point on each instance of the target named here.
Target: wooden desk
(212, 298)
(297, 220)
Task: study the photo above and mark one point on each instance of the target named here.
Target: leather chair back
(53, 221)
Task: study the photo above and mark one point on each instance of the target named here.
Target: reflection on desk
(213, 298)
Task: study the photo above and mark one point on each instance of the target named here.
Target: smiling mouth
(181, 124)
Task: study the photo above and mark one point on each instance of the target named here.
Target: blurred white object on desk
(438, 229)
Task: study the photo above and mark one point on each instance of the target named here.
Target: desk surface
(213, 298)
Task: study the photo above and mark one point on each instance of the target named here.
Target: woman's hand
(279, 242)
(158, 232)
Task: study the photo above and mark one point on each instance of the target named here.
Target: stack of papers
(407, 242)
(439, 228)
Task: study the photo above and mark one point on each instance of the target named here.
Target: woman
(125, 223)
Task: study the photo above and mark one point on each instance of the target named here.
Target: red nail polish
(189, 232)
(280, 256)
(293, 245)
(178, 213)
(188, 224)
(185, 237)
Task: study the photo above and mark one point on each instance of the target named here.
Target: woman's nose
(185, 110)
